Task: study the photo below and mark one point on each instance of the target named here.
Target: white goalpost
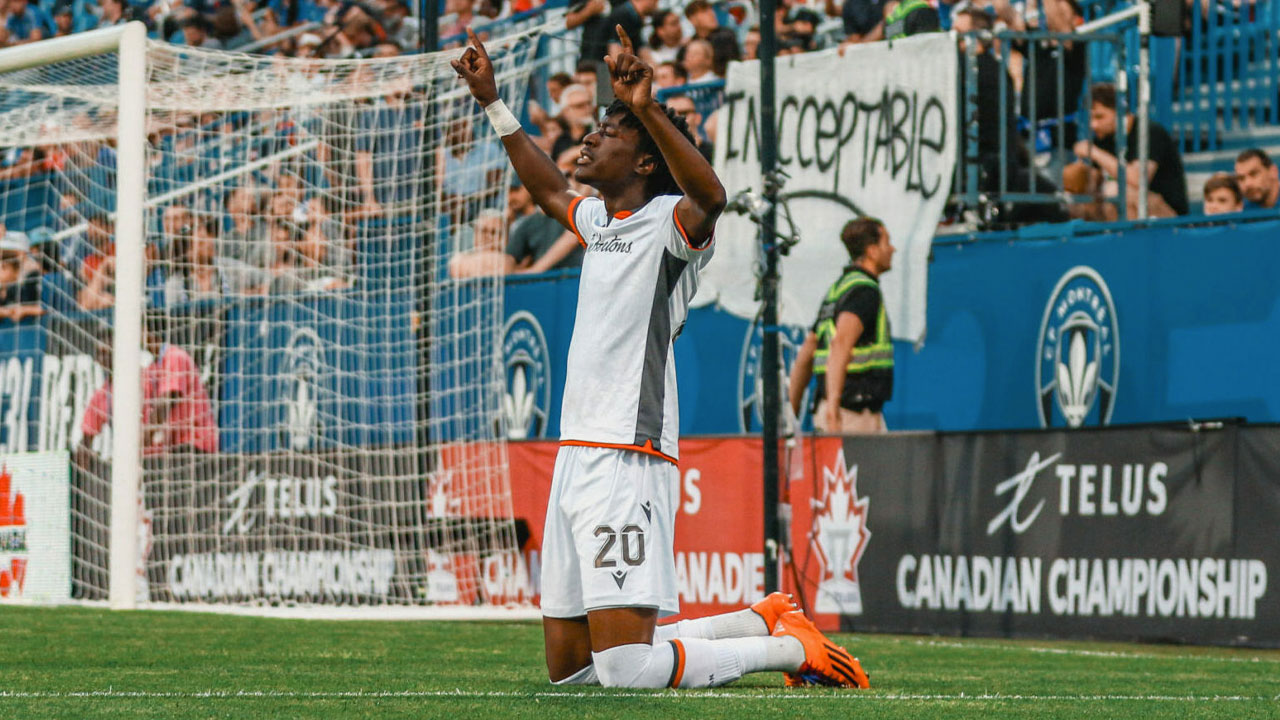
(128, 42)
(275, 394)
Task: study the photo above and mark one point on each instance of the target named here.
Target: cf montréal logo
(1078, 353)
(527, 400)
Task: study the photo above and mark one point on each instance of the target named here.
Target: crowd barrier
(1168, 335)
(1134, 533)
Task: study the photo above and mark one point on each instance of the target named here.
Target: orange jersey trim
(677, 673)
(646, 448)
(573, 208)
(685, 235)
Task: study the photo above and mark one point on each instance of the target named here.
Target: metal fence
(1016, 144)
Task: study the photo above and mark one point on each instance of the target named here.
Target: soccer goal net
(270, 387)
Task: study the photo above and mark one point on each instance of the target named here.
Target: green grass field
(84, 662)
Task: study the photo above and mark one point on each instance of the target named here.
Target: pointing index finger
(475, 43)
(625, 40)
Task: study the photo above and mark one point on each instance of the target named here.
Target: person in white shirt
(608, 568)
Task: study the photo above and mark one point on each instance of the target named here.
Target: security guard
(849, 348)
(909, 17)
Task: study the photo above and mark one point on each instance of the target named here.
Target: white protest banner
(872, 132)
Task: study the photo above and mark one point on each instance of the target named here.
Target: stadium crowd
(272, 234)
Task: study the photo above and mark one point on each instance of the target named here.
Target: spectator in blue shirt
(64, 19)
(27, 23)
(390, 131)
(470, 169)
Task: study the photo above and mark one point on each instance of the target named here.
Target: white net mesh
(323, 315)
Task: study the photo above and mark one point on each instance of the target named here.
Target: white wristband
(500, 117)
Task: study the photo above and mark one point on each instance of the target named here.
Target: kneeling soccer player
(608, 559)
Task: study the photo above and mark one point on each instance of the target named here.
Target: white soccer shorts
(610, 533)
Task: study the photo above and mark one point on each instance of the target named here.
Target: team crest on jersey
(527, 399)
(840, 536)
(1078, 352)
(303, 366)
(750, 380)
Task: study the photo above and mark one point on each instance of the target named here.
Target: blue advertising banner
(1145, 325)
(316, 374)
(22, 350)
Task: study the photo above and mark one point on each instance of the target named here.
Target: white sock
(695, 662)
(711, 663)
(585, 676)
(738, 624)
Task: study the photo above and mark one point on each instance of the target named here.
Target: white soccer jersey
(638, 275)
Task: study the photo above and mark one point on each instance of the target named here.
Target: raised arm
(704, 196)
(537, 171)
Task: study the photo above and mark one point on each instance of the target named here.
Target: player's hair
(860, 234)
(1258, 153)
(660, 182)
(1104, 94)
(1223, 181)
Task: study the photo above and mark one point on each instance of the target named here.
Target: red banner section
(719, 528)
(829, 531)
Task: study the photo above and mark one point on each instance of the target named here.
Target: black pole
(769, 295)
(428, 26)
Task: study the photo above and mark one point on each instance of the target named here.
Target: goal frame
(129, 42)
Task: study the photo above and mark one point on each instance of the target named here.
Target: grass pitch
(83, 663)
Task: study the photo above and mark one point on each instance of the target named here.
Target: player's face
(609, 154)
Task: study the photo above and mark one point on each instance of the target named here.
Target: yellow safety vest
(876, 356)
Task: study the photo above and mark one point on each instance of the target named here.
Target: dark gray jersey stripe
(653, 386)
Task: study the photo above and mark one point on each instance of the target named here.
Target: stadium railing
(1027, 168)
(1226, 75)
(1218, 77)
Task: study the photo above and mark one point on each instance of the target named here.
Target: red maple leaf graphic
(15, 575)
(11, 504)
(840, 531)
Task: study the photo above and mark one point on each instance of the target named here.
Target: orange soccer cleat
(825, 663)
(772, 607)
